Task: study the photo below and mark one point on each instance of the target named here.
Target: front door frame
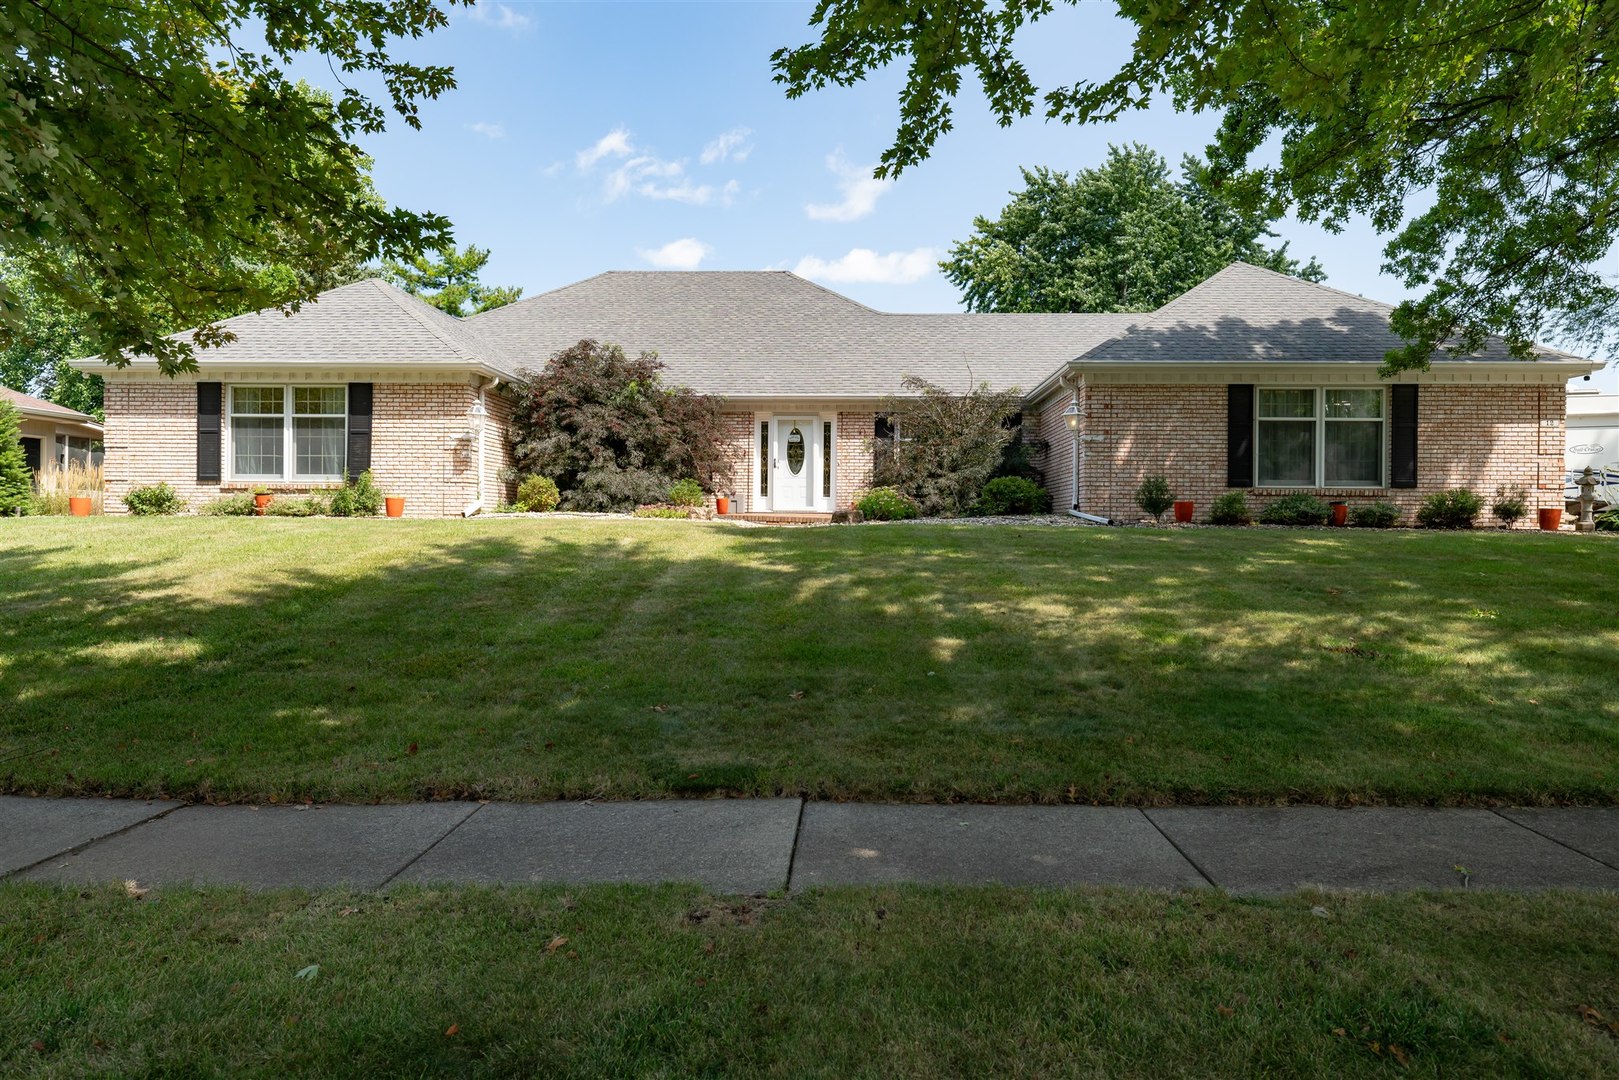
(781, 482)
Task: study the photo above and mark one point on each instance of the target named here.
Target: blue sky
(590, 136)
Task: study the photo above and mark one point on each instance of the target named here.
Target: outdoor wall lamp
(1071, 416)
(477, 414)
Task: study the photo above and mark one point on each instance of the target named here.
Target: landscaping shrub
(156, 499)
(949, 444)
(16, 485)
(1155, 497)
(661, 510)
(361, 498)
(1607, 520)
(1296, 510)
(1230, 509)
(229, 506)
(886, 504)
(1012, 495)
(537, 495)
(1457, 508)
(1511, 505)
(610, 434)
(686, 493)
(1377, 515)
(285, 506)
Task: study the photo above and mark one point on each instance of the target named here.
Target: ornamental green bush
(1230, 509)
(154, 500)
(1296, 510)
(686, 493)
(661, 510)
(16, 483)
(1012, 495)
(1511, 505)
(887, 504)
(537, 495)
(362, 498)
(228, 506)
(1377, 515)
(1155, 496)
(1457, 508)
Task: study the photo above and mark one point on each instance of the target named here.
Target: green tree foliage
(45, 337)
(1481, 135)
(611, 434)
(1124, 236)
(155, 159)
(16, 484)
(450, 281)
(948, 445)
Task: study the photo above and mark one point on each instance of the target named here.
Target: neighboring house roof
(39, 409)
(770, 333)
(1245, 314)
(367, 324)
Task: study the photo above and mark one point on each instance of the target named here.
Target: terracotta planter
(259, 503)
(1340, 514)
(1550, 518)
(394, 505)
(1183, 511)
(722, 505)
(79, 505)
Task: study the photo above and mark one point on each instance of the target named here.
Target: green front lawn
(528, 659)
(618, 981)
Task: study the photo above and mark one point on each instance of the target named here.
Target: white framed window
(1333, 437)
(288, 432)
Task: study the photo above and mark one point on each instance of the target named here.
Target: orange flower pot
(395, 505)
(79, 505)
(722, 505)
(1340, 514)
(1551, 517)
(259, 503)
(1183, 511)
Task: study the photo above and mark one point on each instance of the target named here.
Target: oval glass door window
(795, 451)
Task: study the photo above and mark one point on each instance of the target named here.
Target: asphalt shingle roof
(367, 322)
(770, 333)
(39, 407)
(1246, 314)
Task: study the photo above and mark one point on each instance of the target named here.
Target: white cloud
(488, 130)
(862, 266)
(499, 16)
(728, 147)
(615, 143)
(859, 188)
(687, 253)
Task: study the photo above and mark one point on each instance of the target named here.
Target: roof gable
(39, 407)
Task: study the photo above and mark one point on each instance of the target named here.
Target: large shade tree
(1124, 236)
(449, 280)
(156, 159)
(1482, 136)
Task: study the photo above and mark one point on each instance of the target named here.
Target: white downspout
(481, 426)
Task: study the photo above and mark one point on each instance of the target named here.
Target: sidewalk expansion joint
(1202, 873)
(76, 848)
(1553, 839)
(422, 854)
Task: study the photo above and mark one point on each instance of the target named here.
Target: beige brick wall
(1057, 463)
(852, 454)
(420, 444)
(741, 434)
(1476, 437)
(499, 461)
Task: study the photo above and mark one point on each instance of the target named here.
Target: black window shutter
(1239, 447)
(359, 429)
(210, 407)
(1403, 435)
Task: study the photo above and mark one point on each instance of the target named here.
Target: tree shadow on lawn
(539, 660)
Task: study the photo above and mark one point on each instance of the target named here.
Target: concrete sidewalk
(759, 845)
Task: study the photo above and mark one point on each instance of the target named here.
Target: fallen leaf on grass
(1320, 912)
(134, 890)
(555, 943)
(797, 695)
(411, 749)
(1340, 1032)
(1225, 1010)
(349, 911)
(308, 972)
(1399, 1054)
(452, 1031)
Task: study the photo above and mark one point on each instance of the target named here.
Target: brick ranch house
(1252, 380)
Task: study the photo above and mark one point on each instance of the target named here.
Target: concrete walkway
(759, 845)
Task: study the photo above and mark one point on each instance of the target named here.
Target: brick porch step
(804, 518)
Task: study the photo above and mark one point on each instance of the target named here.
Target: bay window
(1319, 437)
(288, 432)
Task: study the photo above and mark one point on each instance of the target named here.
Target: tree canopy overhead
(1123, 236)
(1481, 135)
(155, 159)
(450, 281)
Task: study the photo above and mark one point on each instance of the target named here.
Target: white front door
(795, 455)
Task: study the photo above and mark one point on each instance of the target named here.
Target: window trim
(1321, 420)
(289, 445)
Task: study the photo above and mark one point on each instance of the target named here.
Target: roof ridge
(398, 296)
(547, 292)
(1296, 280)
